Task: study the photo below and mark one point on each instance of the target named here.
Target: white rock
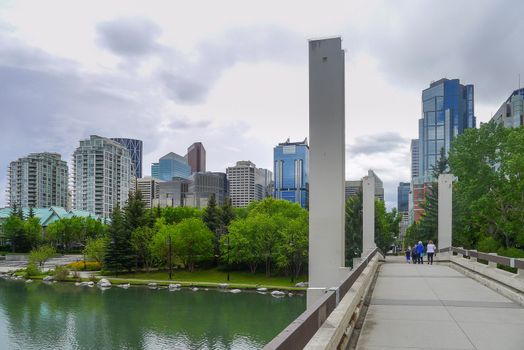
(301, 284)
(28, 281)
(124, 285)
(152, 285)
(277, 293)
(90, 284)
(235, 291)
(289, 294)
(174, 286)
(223, 285)
(104, 283)
(261, 289)
(78, 284)
(194, 289)
(48, 278)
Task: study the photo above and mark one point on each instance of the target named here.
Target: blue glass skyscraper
(291, 168)
(447, 110)
(173, 165)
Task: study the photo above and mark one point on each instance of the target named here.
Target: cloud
(182, 125)
(379, 143)
(129, 37)
(419, 42)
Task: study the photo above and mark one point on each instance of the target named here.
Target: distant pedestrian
(431, 248)
(408, 254)
(420, 252)
(414, 255)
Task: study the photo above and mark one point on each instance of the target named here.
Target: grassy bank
(211, 278)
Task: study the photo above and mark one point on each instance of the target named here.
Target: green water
(64, 316)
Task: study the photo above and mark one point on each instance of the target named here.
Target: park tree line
(488, 194)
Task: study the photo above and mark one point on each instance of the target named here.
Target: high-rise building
(135, 151)
(291, 169)
(102, 175)
(414, 159)
(39, 180)
(170, 193)
(173, 165)
(447, 111)
(202, 185)
(511, 113)
(247, 183)
(353, 187)
(149, 187)
(403, 190)
(196, 157)
(155, 170)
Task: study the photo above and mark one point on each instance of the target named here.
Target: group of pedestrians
(418, 251)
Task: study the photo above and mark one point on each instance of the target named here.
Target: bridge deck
(436, 307)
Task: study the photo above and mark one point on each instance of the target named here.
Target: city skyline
(214, 81)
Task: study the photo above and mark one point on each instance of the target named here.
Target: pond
(64, 316)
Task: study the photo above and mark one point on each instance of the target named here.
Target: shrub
(32, 270)
(89, 266)
(61, 273)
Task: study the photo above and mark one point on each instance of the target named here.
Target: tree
(96, 249)
(243, 245)
(141, 242)
(41, 254)
(227, 213)
(65, 232)
(212, 218)
(386, 225)
(162, 243)
(353, 227)
(134, 211)
(33, 231)
(175, 215)
(292, 252)
(193, 242)
(31, 212)
(15, 233)
(119, 255)
(93, 228)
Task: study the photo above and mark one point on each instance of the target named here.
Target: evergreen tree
(227, 214)
(212, 219)
(119, 255)
(353, 227)
(31, 212)
(134, 211)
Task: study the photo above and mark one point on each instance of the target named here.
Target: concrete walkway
(436, 307)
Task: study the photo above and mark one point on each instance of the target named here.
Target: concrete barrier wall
(338, 327)
(506, 283)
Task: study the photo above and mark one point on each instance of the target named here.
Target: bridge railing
(489, 257)
(304, 327)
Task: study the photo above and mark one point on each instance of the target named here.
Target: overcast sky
(233, 74)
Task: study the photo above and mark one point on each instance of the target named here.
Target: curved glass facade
(135, 151)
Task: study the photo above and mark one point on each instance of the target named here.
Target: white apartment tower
(39, 180)
(247, 183)
(102, 175)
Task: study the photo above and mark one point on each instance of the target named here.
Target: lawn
(214, 276)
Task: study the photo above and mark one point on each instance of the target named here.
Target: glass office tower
(291, 169)
(173, 165)
(135, 151)
(447, 110)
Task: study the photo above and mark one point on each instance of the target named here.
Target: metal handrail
(304, 327)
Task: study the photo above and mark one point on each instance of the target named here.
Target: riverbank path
(435, 307)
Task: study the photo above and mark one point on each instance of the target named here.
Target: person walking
(414, 255)
(430, 249)
(420, 252)
(408, 254)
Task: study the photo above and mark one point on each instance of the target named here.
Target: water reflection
(64, 316)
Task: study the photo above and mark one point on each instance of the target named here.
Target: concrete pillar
(368, 214)
(520, 273)
(445, 213)
(326, 166)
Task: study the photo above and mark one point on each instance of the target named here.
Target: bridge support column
(326, 166)
(368, 214)
(445, 213)
(471, 258)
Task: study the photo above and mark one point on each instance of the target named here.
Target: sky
(233, 74)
